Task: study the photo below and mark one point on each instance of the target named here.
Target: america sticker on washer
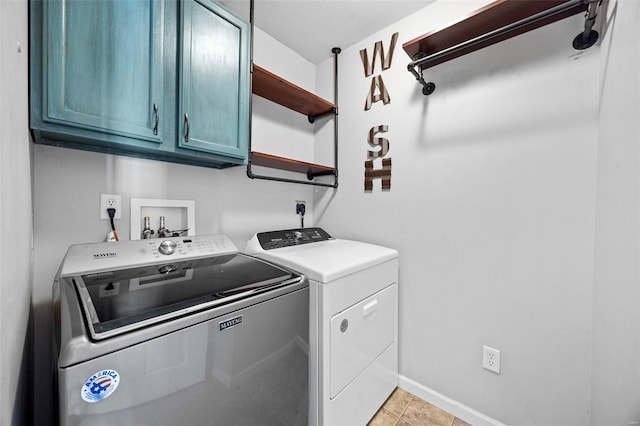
(100, 385)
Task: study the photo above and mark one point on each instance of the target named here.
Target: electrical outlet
(491, 359)
(110, 201)
(300, 207)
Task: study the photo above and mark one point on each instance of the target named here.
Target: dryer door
(360, 334)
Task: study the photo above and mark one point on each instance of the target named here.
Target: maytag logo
(224, 325)
(104, 255)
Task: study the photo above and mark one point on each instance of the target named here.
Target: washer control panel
(83, 258)
(291, 237)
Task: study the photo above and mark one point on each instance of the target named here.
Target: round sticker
(100, 385)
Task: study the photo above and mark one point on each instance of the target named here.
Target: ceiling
(312, 27)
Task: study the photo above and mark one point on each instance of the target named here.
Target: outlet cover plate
(110, 200)
(491, 359)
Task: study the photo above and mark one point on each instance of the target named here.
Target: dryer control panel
(292, 237)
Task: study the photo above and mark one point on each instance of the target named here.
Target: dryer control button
(167, 247)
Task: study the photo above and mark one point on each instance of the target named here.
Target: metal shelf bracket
(588, 37)
(427, 87)
(312, 118)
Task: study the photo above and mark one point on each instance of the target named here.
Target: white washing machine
(353, 320)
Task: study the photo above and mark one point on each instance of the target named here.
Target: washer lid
(122, 300)
(329, 260)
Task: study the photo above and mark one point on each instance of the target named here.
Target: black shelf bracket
(311, 175)
(427, 87)
(312, 118)
(588, 37)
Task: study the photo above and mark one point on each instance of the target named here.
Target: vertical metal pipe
(251, 6)
(336, 51)
(251, 11)
(590, 20)
(588, 37)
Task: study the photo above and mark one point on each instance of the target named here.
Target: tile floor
(405, 409)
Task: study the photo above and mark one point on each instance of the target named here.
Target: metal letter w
(378, 50)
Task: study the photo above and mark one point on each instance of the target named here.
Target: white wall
(514, 205)
(616, 313)
(492, 208)
(68, 183)
(15, 216)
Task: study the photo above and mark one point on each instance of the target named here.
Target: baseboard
(451, 406)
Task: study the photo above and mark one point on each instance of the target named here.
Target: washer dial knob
(167, 269)
(167, 247)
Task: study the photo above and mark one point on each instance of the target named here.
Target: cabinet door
(105, 69)
(214, 80)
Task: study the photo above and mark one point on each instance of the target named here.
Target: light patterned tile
(421, 413)
(459, 422)
(384, 418)
(398, 401)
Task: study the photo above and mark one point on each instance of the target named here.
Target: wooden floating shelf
(494, 16)
(280, 91)
(281, 163)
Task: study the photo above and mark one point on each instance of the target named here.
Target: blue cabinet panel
(122, 76)
(105, 66)
(214, 78)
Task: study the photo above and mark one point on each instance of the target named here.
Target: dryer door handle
(370, 307)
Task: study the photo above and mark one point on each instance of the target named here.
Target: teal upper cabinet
(165, 80)
(213, 71)
(105, 67)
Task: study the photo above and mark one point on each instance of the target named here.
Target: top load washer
(181, 330)
(353, 319)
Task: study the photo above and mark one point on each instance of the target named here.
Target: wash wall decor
(378, 146)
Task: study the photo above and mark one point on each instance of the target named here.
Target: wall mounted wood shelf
(276, 89)
(281, 163)
(493, 17)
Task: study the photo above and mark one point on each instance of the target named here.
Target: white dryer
(353, 319)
